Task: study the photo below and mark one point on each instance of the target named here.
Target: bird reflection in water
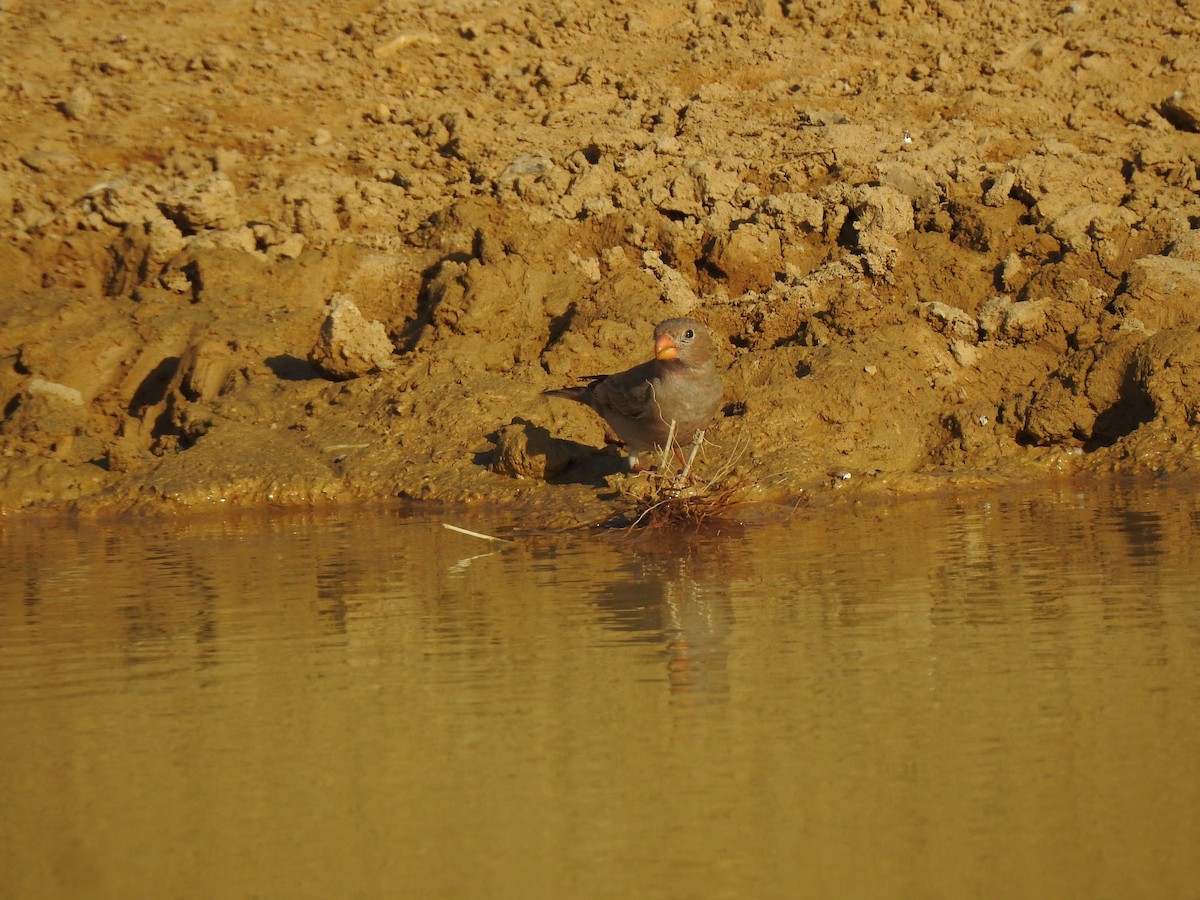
(676, 596)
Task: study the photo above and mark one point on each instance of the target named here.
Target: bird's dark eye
(689, 334)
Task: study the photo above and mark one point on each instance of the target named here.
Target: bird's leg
(697, 440)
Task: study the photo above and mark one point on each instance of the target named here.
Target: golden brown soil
(940, 239)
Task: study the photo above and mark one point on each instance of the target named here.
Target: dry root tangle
(673, 494)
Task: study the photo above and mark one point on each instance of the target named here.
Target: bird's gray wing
(629, 394)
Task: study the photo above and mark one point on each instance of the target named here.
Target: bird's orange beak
(664, 348)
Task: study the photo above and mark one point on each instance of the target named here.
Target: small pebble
(78, 104)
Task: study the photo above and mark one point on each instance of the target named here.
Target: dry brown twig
(671, 496)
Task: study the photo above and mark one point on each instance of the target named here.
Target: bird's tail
(572, 393)
(579, 393)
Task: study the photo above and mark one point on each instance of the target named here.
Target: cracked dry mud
(940, 242)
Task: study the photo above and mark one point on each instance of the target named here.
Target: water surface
(989, 695)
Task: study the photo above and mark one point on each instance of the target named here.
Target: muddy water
(991, 695)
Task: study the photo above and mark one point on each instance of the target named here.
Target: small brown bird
(679, 385)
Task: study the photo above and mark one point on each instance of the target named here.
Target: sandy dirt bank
(259, 253)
